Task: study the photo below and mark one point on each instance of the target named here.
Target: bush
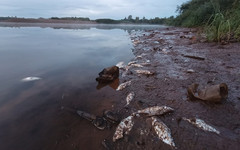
(219, 18)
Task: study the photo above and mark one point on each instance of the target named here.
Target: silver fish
(130, 97)
(163, 132)
(202, 125)
(124, 127)
(136, 65)
(146, 72)
(139, 57)
(132, 62)
(123, 85)
(28, 79)
(155, 110)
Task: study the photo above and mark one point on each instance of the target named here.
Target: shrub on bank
(219, 18)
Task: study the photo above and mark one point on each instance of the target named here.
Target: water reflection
(125, 27)
(67, 61)
(114, 84)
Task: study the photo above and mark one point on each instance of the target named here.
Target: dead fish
(124, 127)
(120, 65)
(146, 72)
(132, 62)
(214, 93)
(130, 97)
(163, 132)
(123, 85)
(136, 65)
(28, 79)
(139, 57)
(155, 110)
(202, 125)
(86, 115)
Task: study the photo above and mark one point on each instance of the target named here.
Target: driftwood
(194, 57)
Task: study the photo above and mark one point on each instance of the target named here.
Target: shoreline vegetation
(219, 20)
(128, 20)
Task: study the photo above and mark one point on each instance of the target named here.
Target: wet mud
(54, 123)
(179, 58)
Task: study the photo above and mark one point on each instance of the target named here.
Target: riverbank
(166, 50)
(43, 114)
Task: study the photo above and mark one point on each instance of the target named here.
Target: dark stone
(108, 74)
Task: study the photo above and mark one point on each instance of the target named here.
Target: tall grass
(219, 29)
(219, 18)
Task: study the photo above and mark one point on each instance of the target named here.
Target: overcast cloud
(116, 9)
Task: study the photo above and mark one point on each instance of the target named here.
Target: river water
(67, 59)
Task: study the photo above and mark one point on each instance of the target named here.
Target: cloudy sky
(116, 9)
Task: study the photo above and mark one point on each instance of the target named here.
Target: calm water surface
(32, 114)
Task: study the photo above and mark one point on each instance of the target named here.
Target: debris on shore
(214, 93)
(194, 57)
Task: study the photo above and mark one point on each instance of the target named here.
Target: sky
(94, 9)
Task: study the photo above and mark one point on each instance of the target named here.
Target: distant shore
(42, 20)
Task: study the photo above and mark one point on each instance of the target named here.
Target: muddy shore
(164, 52)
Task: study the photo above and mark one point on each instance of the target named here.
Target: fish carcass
(155, 110)
(145, 72)
(86, 115)
(123, 85)
(130, 97)
(136, 65)
(132, 62)
(202, 125)
(28, 79)
(163, 132)
(124, 127)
